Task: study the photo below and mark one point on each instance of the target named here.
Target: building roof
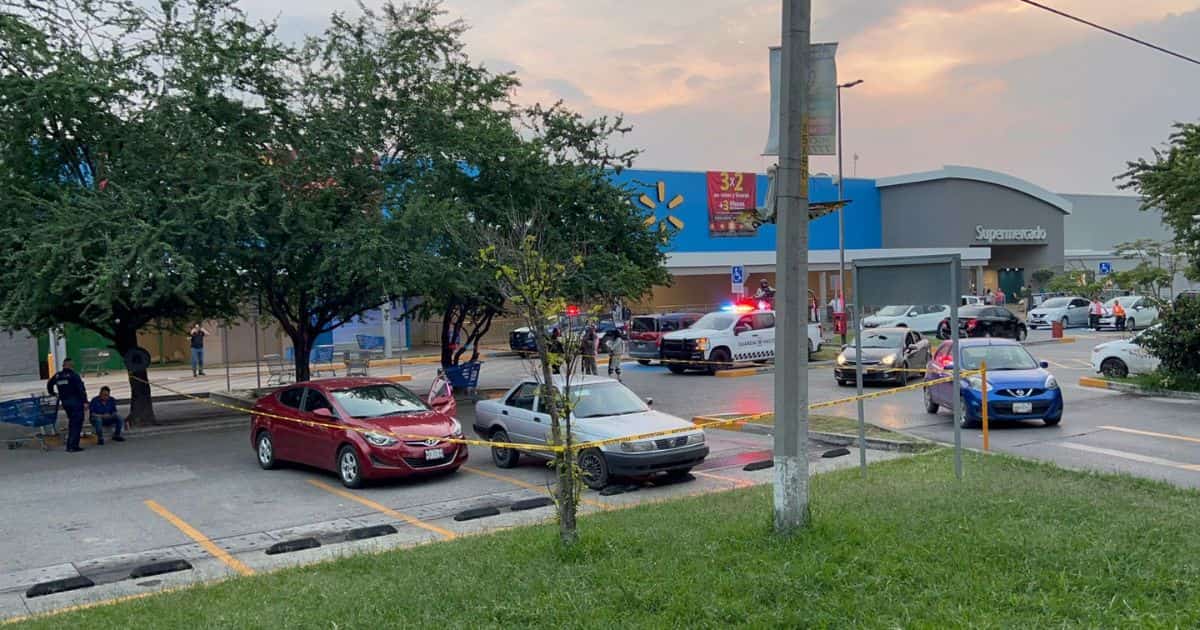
(693, 263)
(980, 175)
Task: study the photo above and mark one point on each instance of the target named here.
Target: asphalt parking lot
(200, 497)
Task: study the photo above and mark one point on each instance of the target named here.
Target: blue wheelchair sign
(737, 274)
(1105, 268)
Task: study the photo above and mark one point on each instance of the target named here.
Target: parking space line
(530, 486)
(1146, 459)
(201, 539)
(1169, 436)
(383, 509)
(1082, 363)
(740, 483)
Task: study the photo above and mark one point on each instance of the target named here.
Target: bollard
(984, 388)
(1056, 330)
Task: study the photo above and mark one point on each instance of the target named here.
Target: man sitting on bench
(103, 410)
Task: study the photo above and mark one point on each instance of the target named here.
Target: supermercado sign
(988, 235)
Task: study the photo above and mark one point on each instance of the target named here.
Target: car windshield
(892, 311)
(1056, 302)
(971, 311)
(715, 321)
(604, 399)
(1125, 300)
(882, 339)
(644, 324)
(374, 401)
(998, 358)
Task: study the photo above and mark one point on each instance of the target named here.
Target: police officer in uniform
(67, 385)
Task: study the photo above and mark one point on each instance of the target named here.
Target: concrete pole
(387, 328)
(791, 255)
(841, 212)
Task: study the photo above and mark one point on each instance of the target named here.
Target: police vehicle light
(572, 310)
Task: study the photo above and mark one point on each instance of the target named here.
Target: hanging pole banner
(821, 105)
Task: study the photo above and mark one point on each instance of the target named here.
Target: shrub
(1176, 340)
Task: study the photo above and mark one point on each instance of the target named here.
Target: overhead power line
(1111, 31)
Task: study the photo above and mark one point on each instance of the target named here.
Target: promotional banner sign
(822, 100)
(731, 196)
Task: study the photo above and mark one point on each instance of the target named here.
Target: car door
(745, 339)
(1077, 312)
(517, 412)
(941, 392)
(916, 349)
(930, 315)
(321, 437)
(1003, 322)
(287, 435)
(764, 330)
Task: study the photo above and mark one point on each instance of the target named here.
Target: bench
(321, 360)
(94, 360)
(278, 373)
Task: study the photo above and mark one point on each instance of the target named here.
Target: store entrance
(1012, 280)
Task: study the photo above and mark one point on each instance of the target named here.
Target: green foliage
(1042, 276)
(1170, 182)
(1076, 282)
(1176, 339)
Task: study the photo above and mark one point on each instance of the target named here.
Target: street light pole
(841, 214)
(791, 255)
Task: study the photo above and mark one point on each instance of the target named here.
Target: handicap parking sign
(1105, 268)
(737, 274)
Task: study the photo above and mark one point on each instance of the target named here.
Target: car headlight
(841, 359)
(380, 440)
(695, 438)
(641, 446)
(889, 360)
(1051, 382)
(455, 427)
(702, 344)
(976, 382)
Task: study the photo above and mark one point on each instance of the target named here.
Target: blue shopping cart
(464, 376)
(33, 412)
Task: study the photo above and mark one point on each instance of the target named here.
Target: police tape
(890, 391)
(362, 430)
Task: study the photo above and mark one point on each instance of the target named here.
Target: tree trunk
(447, 353)
(302, 343)
(141, 406)
(567, 495)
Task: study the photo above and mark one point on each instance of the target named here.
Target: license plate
(1022, 407)
(434, 453)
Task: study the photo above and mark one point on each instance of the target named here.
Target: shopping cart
(34, 412)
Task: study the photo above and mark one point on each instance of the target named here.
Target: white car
(919, 317)
(971, 300)
(720, 339)
(602, 409)
(1069, 311)
(1140, 312)
(1123, 357)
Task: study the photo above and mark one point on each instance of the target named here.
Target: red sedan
(361, 428)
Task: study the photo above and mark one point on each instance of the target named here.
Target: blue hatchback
(1019, 388)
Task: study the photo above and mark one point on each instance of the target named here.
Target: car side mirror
(323, 412)
(649, 402)
(1043, 364)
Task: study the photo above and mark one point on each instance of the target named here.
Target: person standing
(103, 410)
(72, 395)
(1118, 315)
(616, 352)
(198, 333)
(587, 350)
(1095, 311)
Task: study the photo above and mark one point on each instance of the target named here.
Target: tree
(1043, 276)
(119, 157)
(1170, 183)
(1176, 339)
(1158, 262)
(378, 104)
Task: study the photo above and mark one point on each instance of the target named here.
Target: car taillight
(658, 342)
(971, 324)
(944, 361)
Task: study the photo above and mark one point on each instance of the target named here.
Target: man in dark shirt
(198, 333)
(103, 410)
(72, 395)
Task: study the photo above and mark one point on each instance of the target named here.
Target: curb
(746, 371)
(832, 439)
(1043, 342)
(1130, 388)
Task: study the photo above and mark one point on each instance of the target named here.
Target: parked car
(604, 409)
(1140, 312)
(1123, 357)
(1019, 388)
(646, 332)
(522, 339)
(718, 340)
(971, 300)
(352, 426)
(882, 348)
(985, 321)
(922, 317)
(1069, 311)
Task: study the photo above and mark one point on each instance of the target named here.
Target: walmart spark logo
(651, 204)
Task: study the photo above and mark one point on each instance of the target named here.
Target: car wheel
(968, 423)
(719, 360)
(902, 377)
(676, 369)
(349, 467)
(678, 474)
(930, 405)
(594, 469)
(1052, 422)
(504, 457)
(266, 450)
(1131, 324)
(643, 361)
(843, 383)
(1021, 334)
(1066, 323)
(1114, 367)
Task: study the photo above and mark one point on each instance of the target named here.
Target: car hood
(431, 423)
(692, 333)
(606, 427)
(522, 330)
(1048, 312)
(1004, 379)
(869, 354)
(881, 320)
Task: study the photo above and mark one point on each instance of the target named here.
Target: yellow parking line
(200, 539)
(379, 507)
(741, 483)
(530, 486)
(1169, 436)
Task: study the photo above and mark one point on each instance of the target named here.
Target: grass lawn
(1015, 545)
(841, 424)
(1159, 380)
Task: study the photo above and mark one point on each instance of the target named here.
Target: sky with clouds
(988, 83)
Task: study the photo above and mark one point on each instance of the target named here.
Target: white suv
(718, 340)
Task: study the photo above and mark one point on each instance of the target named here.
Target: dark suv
(521, 340)
(646, 331)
